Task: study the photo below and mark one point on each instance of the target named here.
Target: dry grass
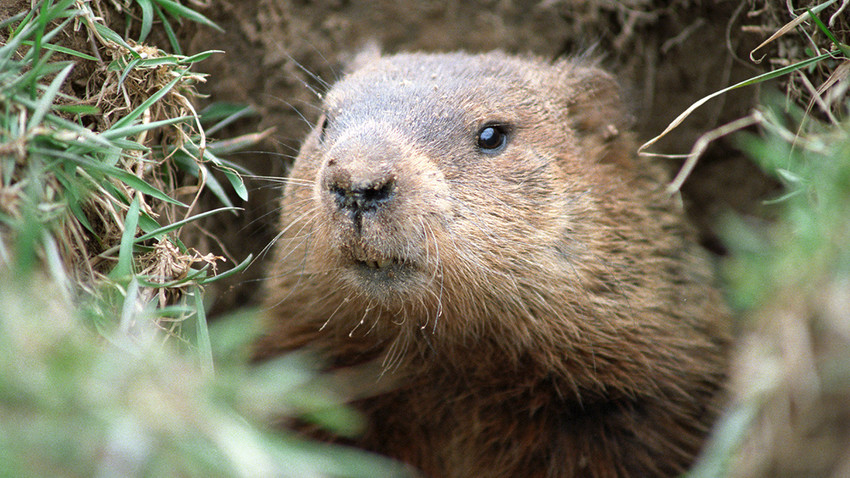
(108, 365)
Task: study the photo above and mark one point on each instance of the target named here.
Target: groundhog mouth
(372, 261)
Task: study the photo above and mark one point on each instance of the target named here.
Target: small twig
(816, 98)
(788, 27)
(682, 37)
(702, 143)
(835, 15)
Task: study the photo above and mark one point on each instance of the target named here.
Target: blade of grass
(125, 121)
(29, 231)
(756, 79)
(46, 101)
(825, 30)
(788, 27)
(166, 229)
(14, 18)
(131, 130)
(238, 143)
(203, 333)
(147, 18)
(199, 56)
(110, 35)
(169, 32)
(237, 183)
(239, 268)
(72, 198)
(178, 10)
(186, 162)
(230, 119)
(128, 307)
(62, 49)
(129, 68)
(78, 109)
(55, 266)
(124, 267)
(127, 178)
(147, 223)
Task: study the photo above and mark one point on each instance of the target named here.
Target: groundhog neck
(573, 369)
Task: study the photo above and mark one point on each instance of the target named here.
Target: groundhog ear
(597, 113)
(370, 52)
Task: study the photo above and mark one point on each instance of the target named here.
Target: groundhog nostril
(360, 198)
(376, 195)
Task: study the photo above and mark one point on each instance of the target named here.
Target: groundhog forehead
(428, 95)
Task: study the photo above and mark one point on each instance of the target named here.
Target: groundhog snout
(360, 186)
(363, 196)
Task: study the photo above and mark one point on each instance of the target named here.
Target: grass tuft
(109, 366)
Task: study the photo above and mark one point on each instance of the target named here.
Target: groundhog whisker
(309, 73)
(375, 322)
(345, 301)
(296, 110)
(362, 319)
(286, 229)
(281, 180)
(279, 141)
(438, 269)
(277, 154)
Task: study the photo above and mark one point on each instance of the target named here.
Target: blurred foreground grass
(789, 277)
(107, 364)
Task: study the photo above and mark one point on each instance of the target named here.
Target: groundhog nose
(363, 195)
(361, 170)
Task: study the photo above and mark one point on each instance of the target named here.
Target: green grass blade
(110, 35)
(237, 183)
(756, 79)
(147, 18)
(200, 56)
(46, 101)
(187, 163)
(72, 198)
(147, 223)
(78, 109)
(14, 18)
(127, 178)
(179, 11)
(125, 121)
(844, 49)
(62, 49)
(203, 333)
(224, 114)
(124, 268)
(141, 185)
(130, 66)
(166, 229)
(131, 130)
(172, 37)
(128, 307)
(241, 267)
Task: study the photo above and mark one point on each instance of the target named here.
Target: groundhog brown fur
(479, 229)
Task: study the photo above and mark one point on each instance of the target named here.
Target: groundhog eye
(492, 137)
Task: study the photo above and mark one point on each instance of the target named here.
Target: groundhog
(480, 227)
